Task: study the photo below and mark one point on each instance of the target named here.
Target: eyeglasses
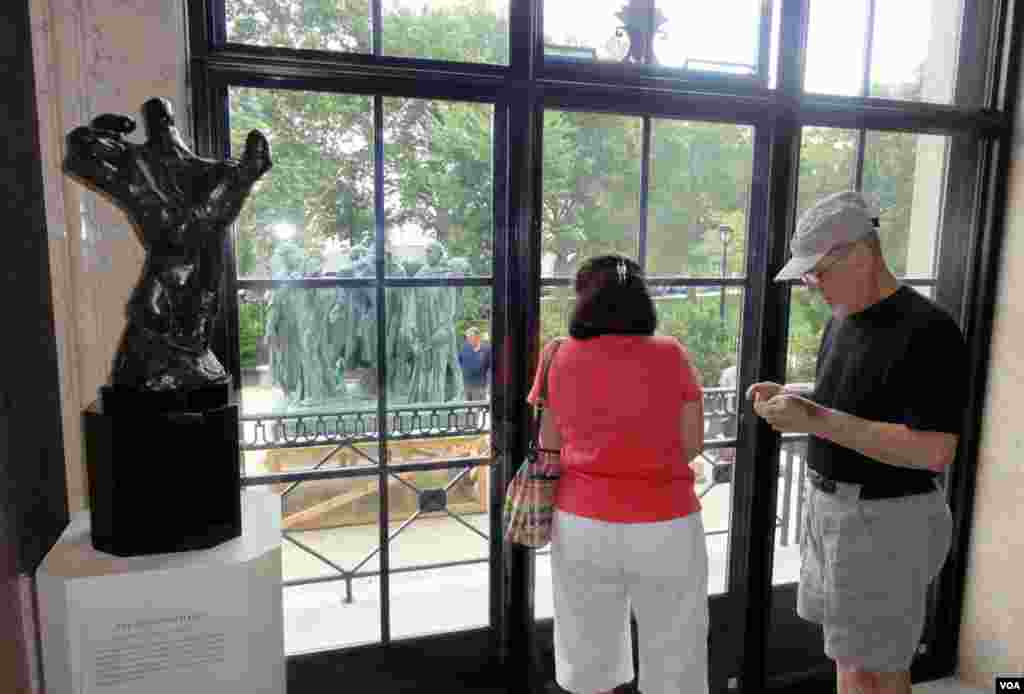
(813, 278)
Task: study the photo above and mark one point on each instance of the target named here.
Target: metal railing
(343, 428)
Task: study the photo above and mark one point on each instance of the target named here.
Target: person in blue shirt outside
(475, 361)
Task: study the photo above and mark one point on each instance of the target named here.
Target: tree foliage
(439, 172)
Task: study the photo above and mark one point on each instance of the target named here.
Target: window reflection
(905, 174)
(913, 49)
(720, 37)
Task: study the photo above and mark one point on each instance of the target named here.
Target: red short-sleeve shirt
(617, 402)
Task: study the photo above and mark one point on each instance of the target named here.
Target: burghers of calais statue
(436, 376)
(181, 207)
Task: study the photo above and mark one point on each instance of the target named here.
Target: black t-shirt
(902, 360)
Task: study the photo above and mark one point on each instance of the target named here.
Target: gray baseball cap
(839, 219)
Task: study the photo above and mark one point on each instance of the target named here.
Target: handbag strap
(547, 367)
(543, 396)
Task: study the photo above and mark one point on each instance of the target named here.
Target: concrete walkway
(434, 601)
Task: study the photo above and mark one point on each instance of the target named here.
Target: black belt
(869, 491)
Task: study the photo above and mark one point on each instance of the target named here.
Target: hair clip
(622, 271)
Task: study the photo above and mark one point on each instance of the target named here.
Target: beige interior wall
(93, 57)
(992, 631)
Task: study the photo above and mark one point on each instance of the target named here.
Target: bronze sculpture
(641, 21)
(166, 385)
(181, 207)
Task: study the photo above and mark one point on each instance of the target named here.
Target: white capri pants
(599, 571)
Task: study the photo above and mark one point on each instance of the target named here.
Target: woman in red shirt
(625, 409)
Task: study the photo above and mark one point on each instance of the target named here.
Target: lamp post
(724, 231)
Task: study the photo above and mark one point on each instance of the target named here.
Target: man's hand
(789, 413)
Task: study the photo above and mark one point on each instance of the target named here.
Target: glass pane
(304, 219)
(309, 351)
(836, 34)
(591, 202)
(331, 531)
(707, 327)
(439, 187)
(556, 305)
(808, 315)
(905, 174)
(431, 360)
(343, 25)
(697, 204)
(789, 511)
(915, 49)
(719, 38)
(348, 449)
(828, 157)
(439, 517)
(470, 31)
(714, 477)
(439, 601)
(318, 617)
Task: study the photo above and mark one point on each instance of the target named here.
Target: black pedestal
(164, 471)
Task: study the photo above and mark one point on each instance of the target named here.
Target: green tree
(439, 171)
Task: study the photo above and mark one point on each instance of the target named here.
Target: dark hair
(611, 299)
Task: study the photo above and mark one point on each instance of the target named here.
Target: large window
(323, 360)
(674, 195)
(442, 168)
(897, 50)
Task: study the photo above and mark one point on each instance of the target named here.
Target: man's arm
(886, 442)
(893, 444)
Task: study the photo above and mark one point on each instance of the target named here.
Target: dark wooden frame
(970, 251)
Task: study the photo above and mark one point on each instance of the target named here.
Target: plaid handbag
(530, 497)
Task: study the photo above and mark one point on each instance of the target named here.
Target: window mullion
(645, 181)
(869, 36)
(382, 443)
(865, 90)
(764, 44)
(376, 29)
(858, 168)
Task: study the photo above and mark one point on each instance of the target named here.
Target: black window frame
(970, 248)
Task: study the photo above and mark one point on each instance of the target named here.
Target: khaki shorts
(866, 567)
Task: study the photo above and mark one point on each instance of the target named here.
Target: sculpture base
(164, 473)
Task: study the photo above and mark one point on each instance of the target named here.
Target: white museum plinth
(203, 622)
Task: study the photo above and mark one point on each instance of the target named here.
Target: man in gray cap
(884, 419)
